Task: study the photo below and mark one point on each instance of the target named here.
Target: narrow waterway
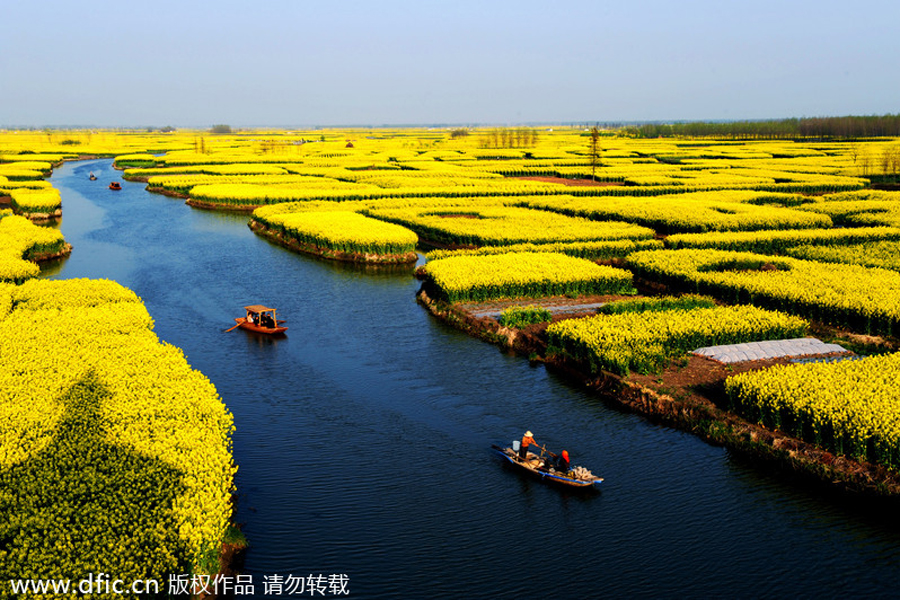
(363, 437)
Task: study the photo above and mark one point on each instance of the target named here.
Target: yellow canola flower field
(122, 461)
(590, 250)
(866, 207)
(25, 170)
(248, 194)
(478, 226)
(343, 231)
(882, 254)
(781, 241)
(183, 184)
(521, 275)
(847, 407)
(863, 299)
(42, 201)
(644, 341)
(21, 240)
(682, 213)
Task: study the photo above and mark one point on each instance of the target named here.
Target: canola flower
(135, 160)
(344, 232)
(780, 241)
(863, 299)
(185, 183)
(253, 194)
(864, 209)
(212, 171)
(505, 225)
(122, 462)
(681, 213)
(25, 170)
(521, 275)
(881, 254)
(847, 407)
(43, 201)
(20, 241)
(644, 341)
(589, 250)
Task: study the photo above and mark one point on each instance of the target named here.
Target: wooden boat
(260, 319)
(93, 177)
(115, 186)
(536, 466)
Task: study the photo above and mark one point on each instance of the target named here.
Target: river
(363, 437)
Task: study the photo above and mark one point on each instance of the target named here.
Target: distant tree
(890, 160)
(458, 133)
(854, 153)
(221, 128)
(886, 161)
(594, 150)
(865, 162)
(504, 137)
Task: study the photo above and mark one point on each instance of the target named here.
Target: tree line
(504, 137)
(847, 127)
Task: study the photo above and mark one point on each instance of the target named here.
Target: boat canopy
(258, 308)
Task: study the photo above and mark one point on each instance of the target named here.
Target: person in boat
(527, 440)
(250, 318)
(266, 320)
(562, 462)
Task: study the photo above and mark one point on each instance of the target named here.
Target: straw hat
(528, 434)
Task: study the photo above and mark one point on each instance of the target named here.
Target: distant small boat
(260, 319)
(93, 177)
(115, 186)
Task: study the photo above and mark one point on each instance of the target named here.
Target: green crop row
(523, 316)
(686, 302)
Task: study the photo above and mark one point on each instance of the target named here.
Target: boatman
(562, 462)
(527, 440)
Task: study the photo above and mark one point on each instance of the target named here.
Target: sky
(298, 63)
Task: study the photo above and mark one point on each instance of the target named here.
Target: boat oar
(235, 327)
(544, 449)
